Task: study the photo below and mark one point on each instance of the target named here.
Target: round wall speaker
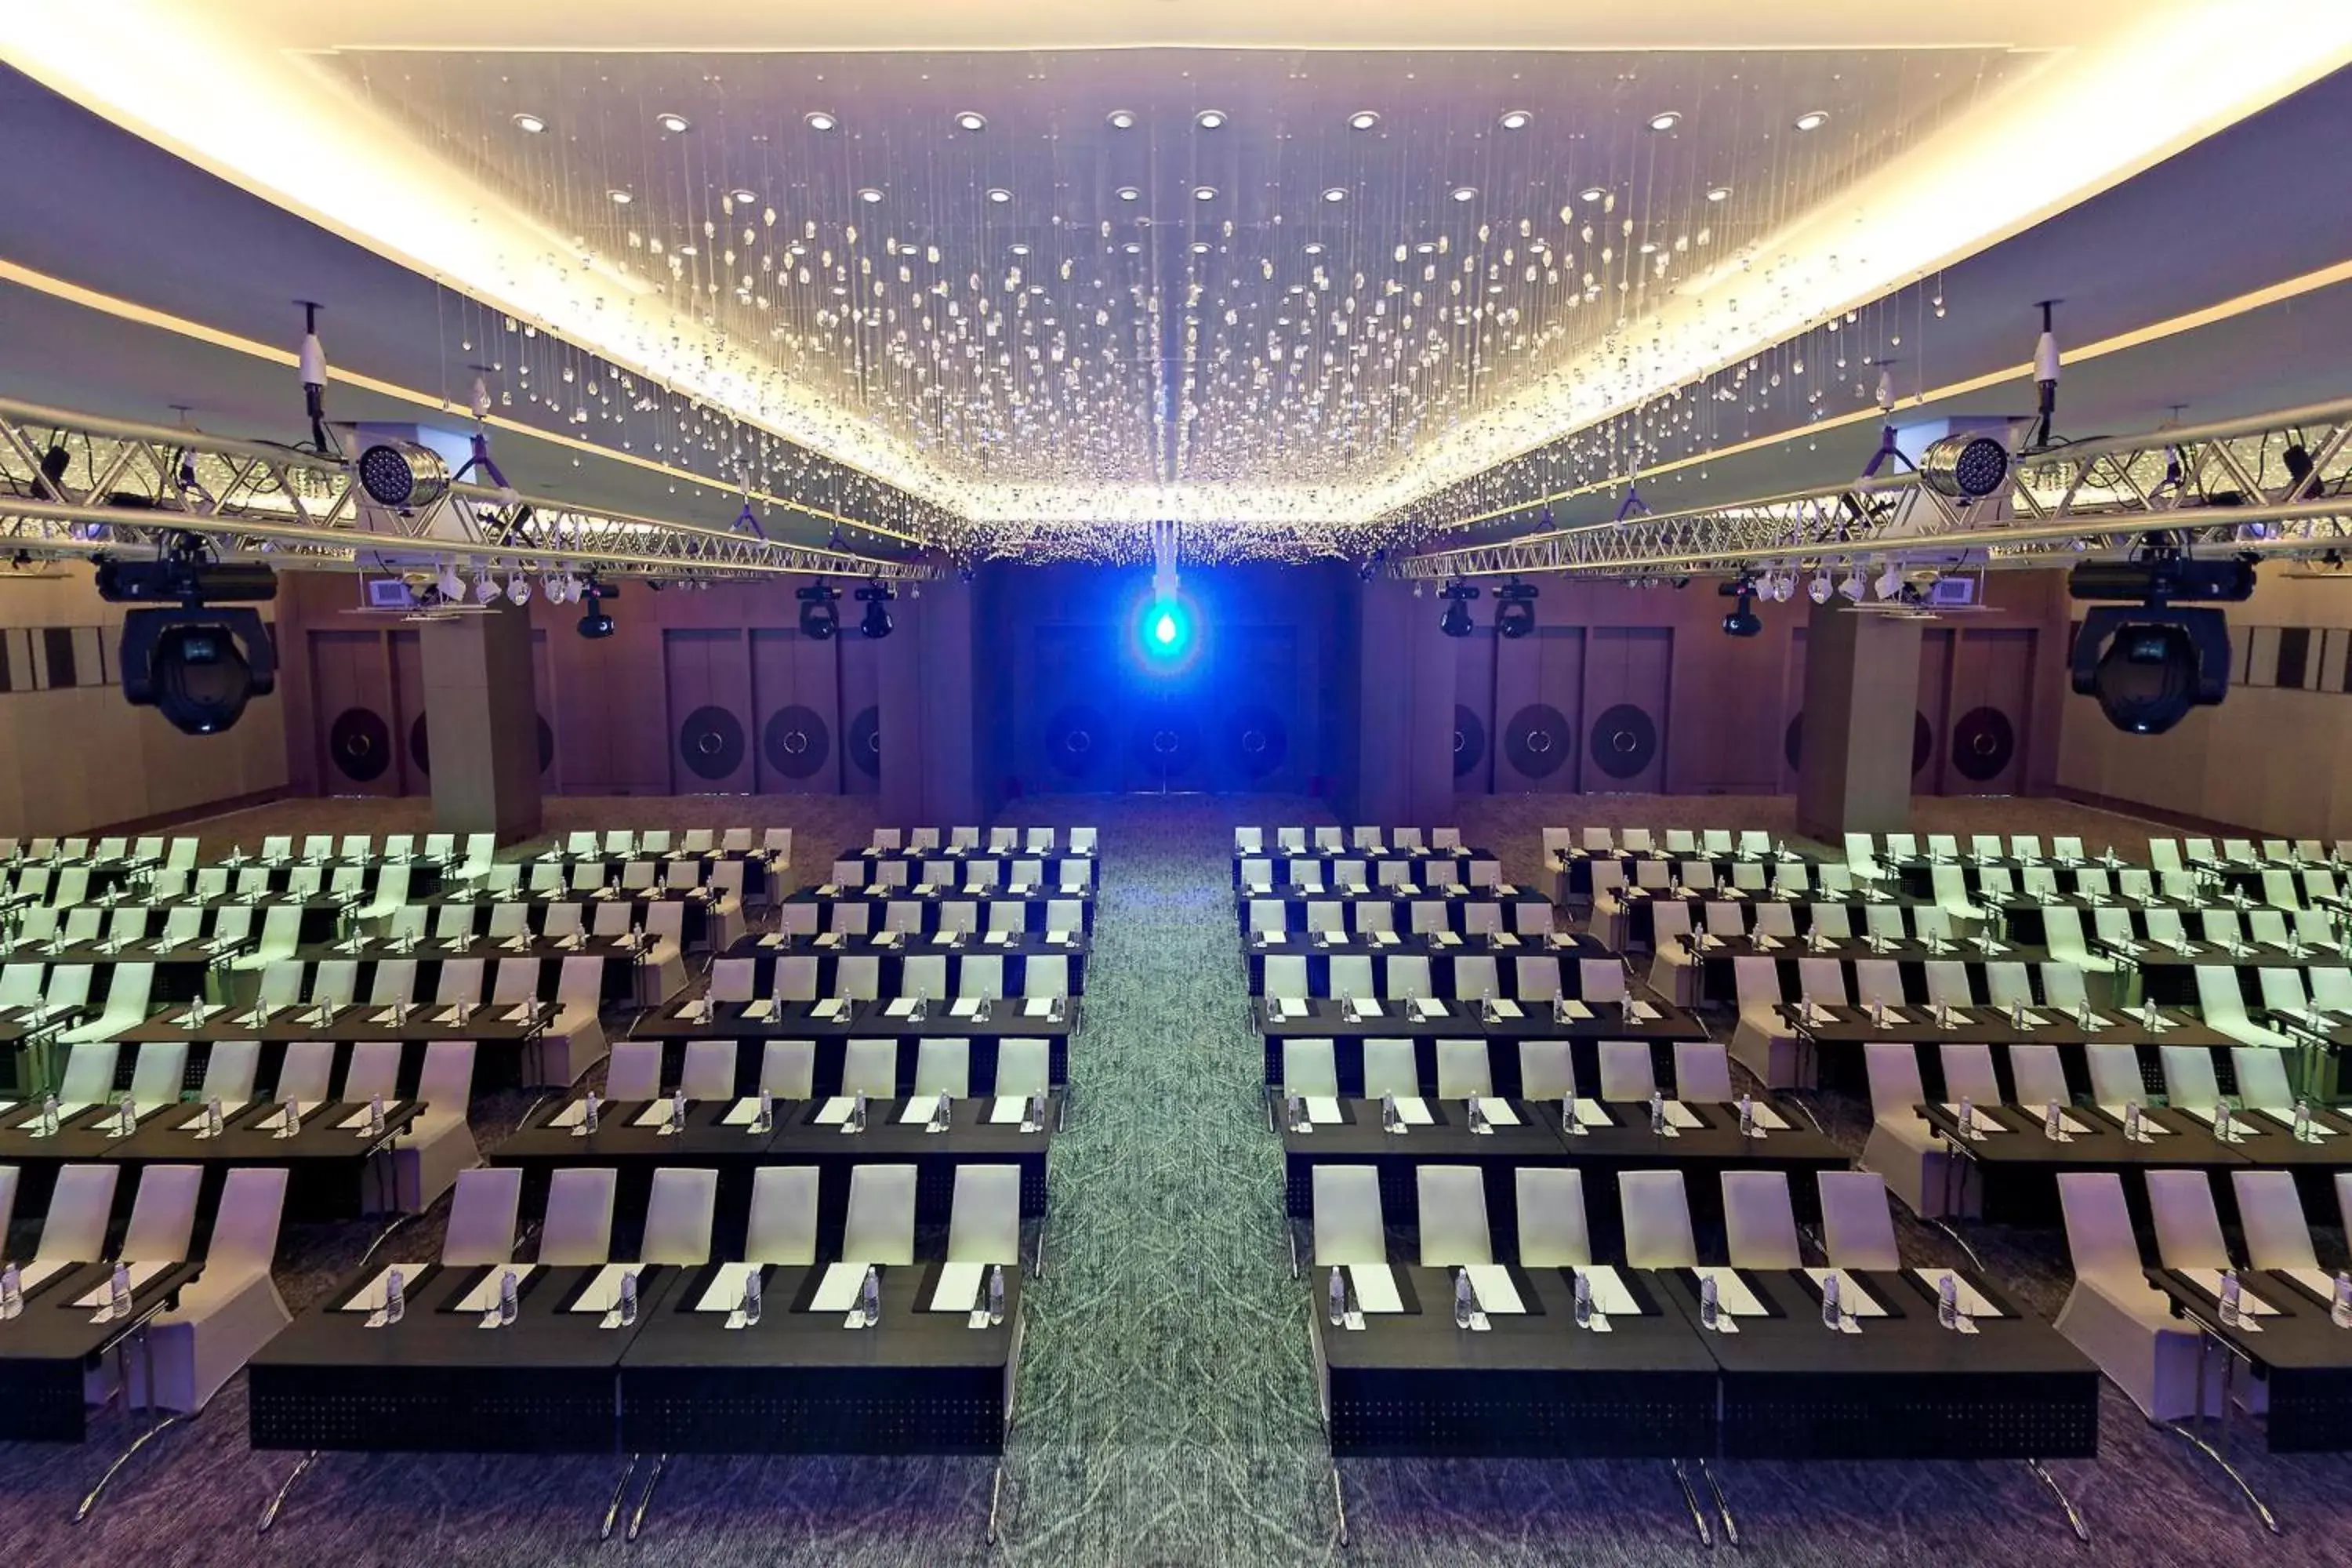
(1624, 741)
(795, 742)
(1256, 740)
(1166, 744)
(865, 742)
(1538, 741)
(359, 745)
(1075, 741)
(1469, 740)
(710, 742)
(420, 748)
(1983, 743)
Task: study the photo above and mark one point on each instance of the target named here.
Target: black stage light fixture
(875, 596)
(1742, 621)
(194, 662)
(1966, 467)
(403, 476)
(820, 611)
(1455, 622)
(2149, 663)
(594, 623)
(1515, 609)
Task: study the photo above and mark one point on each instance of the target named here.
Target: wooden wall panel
(1538, 711)
(358, 747)
(1626, 688)
(710, 732)
(1991, 719)
(1935, 713)
(796, 693)
(1474, 712)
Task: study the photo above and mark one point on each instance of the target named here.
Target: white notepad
(1426, 1008)
(1008, 1109)
(742, 1113)
(1507, 1009)
(1039, 1006)
(1498, 1112)
(1413, 1111)
(1977, 1121)
(898, 1007)
(1367, 1008)
(1972, 1302)
(371, 1298)
(835, 1112)
(654, 1114)
(1574, 1010)
(141, 1273)
(724, 1291)
(1376, 1287)
(831, 1010)
(1591, 1113)
(2249, 1304)
(959, 1287)
(569, 1116)
(838, 1291)
(761, 1011)
(1610, 1296)
(1679, 1115)
(1731, 1292)
(1322, 1111)
(965, 1008)
(485, 1295)
(1853, 1300)
(604, 1293)
(1495, 1290)
(916, 1111)
(2285, 1120)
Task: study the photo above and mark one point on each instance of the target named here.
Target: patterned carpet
(1165, 1412)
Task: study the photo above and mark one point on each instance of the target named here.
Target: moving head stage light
(2149, 663)
(875, 596)
(820, 611)
(194, 663)
(1515, 609)
(1742, 621)
(1455, 622)
(594, 622)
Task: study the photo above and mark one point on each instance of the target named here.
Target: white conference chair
(788, 1069)
(1760, 1226)
(782, 1225)
(1655, 1214)
(1463, 1070)
(577, 1231)
(1857, 1226)
(984, 1215)
(2269, 1216)
(1389, 1069)
(879, 1226)
(1553, 1232)
(439, 1144)
(232, 1309)
(1453, 1228)
(634, 1071)
(680, 1209)
(1902, 1147)
(1348, 1227)
(2112, 1314)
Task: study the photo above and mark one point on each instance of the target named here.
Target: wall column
(1404, 774)
(928, 713)
(1862, 688)
(482, 723)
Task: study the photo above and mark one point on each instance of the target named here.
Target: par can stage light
(403, 475)
(1966, 467)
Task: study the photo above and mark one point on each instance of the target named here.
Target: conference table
(46, 1350)
(632, 1139)
(891, 950)
(182, 970)
(2169, 975)
(1424, 1023)
(2303, 1360)
(1702, 1141)
(924, 908)
(1330, 867)
(26, 1038)
(832, 1022)
(499, 1030)
(623, 961)
(1915, 875)
(1505, 907)
(569, 1377)
(1658, 1384)
(1833, 1037)
(2011, 1165)
(1448, 956)
(2024, 918)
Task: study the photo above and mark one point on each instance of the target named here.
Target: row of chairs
(1906, 1150)
(1765, 1042)
(1258, 873)
(1424, 917)
(708, 1071)
(1760, 1220)
(2127, 1326)
(620, 843)
(1535, 977)
(855, 917)
(419, 1167)
(230, 1311)
(1795, 879)
(662, 918)
(999, 841)
(372, 893)
(1702, 1073)
(1070, 874)
(1752, 843)
(151, 850)
(1335, 840)
(1862, 850)
(860, 977)
(2167, 853)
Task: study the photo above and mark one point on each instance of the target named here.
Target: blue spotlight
(1164, 633)
(1163, 628)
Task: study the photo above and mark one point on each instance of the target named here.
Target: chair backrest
(1454, 1227)
(81, 1202)
(634, 1071)
(1755, 980)
(1348, 1229)
(788, 1069)
(1553, 1233)
(578, 1229)
(1023, 1066)
(1893, 1070)
(943, 1065)
(460, 981)
(1760, 1226)
(1628, 1071)
(880, 1226)
(1702, 1072)
(306, 1072)
(1463, 1069)
(2098, 1225)
(1857, 1227)
(163, 1215)
(2262, 1078)
(710, 1070)
(229, 1071)
(984, 1218)
(2188, 1226)
(1967, 1073)
(244, 1222)
(2270, 1216)
(372, 1069)
(1655, 1213)
(1389, 1069)
(783, 1226)
(2115, 1072)
(89, 1072)
(2038, 1074)
(870, 1067)
(678, 1212)
(1546, 1069)
(2190, 1081)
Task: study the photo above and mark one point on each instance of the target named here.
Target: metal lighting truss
(2223, 486)
(76, 485)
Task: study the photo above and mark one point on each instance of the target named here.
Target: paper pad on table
(835, 1112)
(724, 1291)
(1731, 1292)
(1610, 1297)
(1855, 1301)
(485, 1295)
(1376, 1287)
(959, 1287)
(1972, 1302)
(2209, 1281)
(1495, 1290)
(838, 1291)
(370, 1297)
(604, 1293)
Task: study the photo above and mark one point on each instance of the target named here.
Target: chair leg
(90, 1503)
(1339, 1501)
(1690, 1501)
(278, 1501)
(1722, 1505)
(2261, 1510)
(612, 1508)
(996, 1490)
(637, 1519)
(2074, 1516)
(1960, 1241)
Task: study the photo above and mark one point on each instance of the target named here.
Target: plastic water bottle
(1710, 1307)
(48, 1116)
(1657, 1114)
(1487, 1006)
(857, 1112)
(1968, 1117)
(1465, 1301)
(1336, 1307)
(869, 1296)
(590, 1107)
(1294, 1112)
(395, 1296)
(1568, 1120)
(2302, 1122)
(766, 1120)
(1479, 1117)
(1347, 1013)
(752, 1297)
(1391, 1122)
(2053, 1123)
(2133, 1132)
(118, 1294)
(1033, 1115)
(2339, 1311)
(12, 1292)
(1833, 1313)
(2222, 1121)
(628, 1302)
(677, 1110)
(126, 1117)
(1948, 1301)
(920, 1010)
(995, 1294)
(1747, 1116)
(1583, 1299)
(510, 1301)
(376, 1116)
(940, 1113)
(2230, 1293)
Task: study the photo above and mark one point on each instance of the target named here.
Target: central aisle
(1165, 1413)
